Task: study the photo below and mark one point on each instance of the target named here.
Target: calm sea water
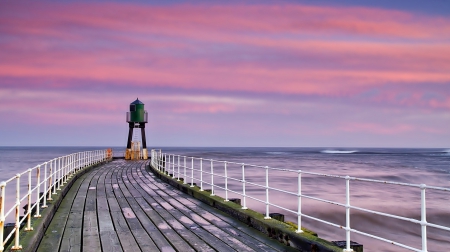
(416, 166)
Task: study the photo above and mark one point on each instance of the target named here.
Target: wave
(339, 151)
(446, 151)
(277, 153)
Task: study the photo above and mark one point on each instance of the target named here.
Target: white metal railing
(56, 173)
(179, 166)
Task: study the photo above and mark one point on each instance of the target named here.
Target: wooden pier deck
(119, 206)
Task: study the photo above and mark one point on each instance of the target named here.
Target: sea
(413, 166)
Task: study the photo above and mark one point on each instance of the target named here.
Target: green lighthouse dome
(137, 112)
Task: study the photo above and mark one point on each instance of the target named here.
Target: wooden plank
(102, 204)
(91, 235)
(72, 239)
(196, 234)
(110, 241)
(196, 228)
(128, 242)
(160, 238)
(144, 240)
(237, 238)
(54, 233)
(187, 235)
(91, 201)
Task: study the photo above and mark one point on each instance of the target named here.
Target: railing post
(29, 228)
(72, 164)
(17, 222)
(212, 179)
(201, 174)
(243, 188)
(299, 209)
(52, 177)
(69, 167)
(178, 177)
(44, 205)
(423, 221)
(65, 167)
(168, 166)
(226, 181)
(2, 213)
(59, 174)
(267, 217)
(347, 214)
(173, 166)
(160, 160)
(192, 172)
(165, 162)
(38, 196)
(184, 180)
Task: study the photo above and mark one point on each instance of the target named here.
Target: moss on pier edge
(284, 232)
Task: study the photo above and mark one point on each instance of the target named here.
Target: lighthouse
(136, 118)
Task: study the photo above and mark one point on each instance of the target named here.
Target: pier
(89, 201)
(120, 206)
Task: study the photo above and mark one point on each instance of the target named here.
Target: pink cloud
(186, 19)
(380, 129)
(163, 47)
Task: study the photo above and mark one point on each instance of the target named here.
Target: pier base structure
(133, 151)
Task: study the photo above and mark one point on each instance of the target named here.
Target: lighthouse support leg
(144, 141)
(130, 136)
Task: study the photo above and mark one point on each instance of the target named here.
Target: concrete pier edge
(281, 231)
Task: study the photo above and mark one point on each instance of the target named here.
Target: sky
(226, 73)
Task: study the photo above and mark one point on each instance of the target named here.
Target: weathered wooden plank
(110, 241)
(144, 240)
(184, 232)
(71, 240)
(102, 204)
(54, 234)
(197, 228)
(105, 222)
(170, 235)
(238, 238)
(195, 234)
(128, 242)
(91, 201)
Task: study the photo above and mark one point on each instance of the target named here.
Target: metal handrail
(170, 163)
(56, 173)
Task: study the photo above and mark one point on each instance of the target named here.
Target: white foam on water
(339, 151)
(276, 153)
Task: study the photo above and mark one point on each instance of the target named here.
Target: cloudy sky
(234, 73)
